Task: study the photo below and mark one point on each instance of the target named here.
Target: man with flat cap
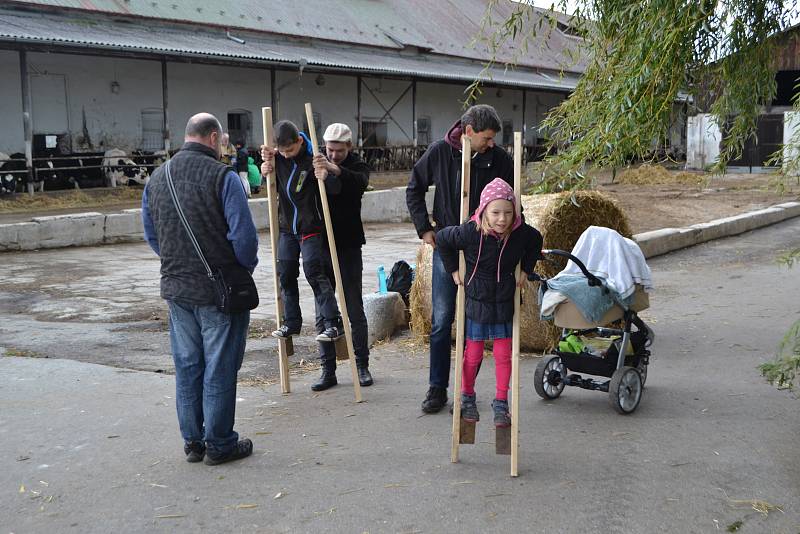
(348, 231)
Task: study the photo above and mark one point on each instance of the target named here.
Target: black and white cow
(12, 172)
(119, 169)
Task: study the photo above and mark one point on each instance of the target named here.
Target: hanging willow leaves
(646, 62)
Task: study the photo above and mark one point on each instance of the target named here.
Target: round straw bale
(561, 218)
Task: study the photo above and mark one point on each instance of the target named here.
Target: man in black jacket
(440, 166)
(348, 231)
(302, 230)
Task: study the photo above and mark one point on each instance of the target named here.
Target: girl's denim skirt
(482, 331)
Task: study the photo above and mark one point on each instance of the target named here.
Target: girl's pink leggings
(473, 353)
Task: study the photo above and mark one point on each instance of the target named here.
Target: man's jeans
(350, 267)
(290, 246)
(207, 348)
(443, 292)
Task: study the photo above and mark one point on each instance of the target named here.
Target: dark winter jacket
(299, 205)
(346, 206)
(440, 166)
(490, 292)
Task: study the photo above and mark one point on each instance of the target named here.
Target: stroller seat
(568, 315)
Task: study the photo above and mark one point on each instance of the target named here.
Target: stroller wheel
(625, 389)
(548, 380)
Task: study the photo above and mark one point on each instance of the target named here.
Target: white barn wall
(217, 90)
(334, 101)
(388, 91)
(12, 137)
(112, 120)
(442, 103)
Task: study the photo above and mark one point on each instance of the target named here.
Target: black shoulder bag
(234, 286)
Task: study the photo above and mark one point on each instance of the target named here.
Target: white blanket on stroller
(610, 256)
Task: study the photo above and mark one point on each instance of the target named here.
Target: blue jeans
(443, 298)
(207, 348)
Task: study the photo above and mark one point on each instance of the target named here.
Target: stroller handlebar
(593, 280)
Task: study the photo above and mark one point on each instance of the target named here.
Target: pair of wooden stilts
(344, 347)
(506, 438)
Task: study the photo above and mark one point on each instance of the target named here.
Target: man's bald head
(204, 128)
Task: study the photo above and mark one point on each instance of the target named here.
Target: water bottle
(382, 280)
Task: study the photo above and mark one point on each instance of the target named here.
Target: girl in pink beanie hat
(494, 241)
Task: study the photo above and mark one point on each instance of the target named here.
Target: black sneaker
(501, 417)
(194, 450)
(330, 334)
(364, 376)
(285, 331)
(435, 400)
(243, 449)
(469, 410)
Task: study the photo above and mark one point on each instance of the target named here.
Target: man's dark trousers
(312, 248)
(350, 267)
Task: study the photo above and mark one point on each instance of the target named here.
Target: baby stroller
(620, 354)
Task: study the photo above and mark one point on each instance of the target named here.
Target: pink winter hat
(494, 190)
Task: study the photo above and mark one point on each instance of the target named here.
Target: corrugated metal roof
(441, 26)
(208, 42)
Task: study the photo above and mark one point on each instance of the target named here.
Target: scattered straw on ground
(647, 174)
(72, 199)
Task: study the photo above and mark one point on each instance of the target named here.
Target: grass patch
(12, 352)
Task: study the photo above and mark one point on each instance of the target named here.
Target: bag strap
(182, 217)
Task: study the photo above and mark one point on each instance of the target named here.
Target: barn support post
(414, 110)
(272, 96)
(524, 124)
(27, 123)
(358, 109)
(165, 105)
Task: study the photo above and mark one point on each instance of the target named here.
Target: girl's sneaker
(469, 410)
(501, 417)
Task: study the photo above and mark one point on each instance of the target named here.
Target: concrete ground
(102, 304)
(93, 448)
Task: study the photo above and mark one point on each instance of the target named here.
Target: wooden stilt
(285, 346)
(466, 159)
(466, 434)
(341, 349)
(348, 334)
(502, 440)
(514, 430)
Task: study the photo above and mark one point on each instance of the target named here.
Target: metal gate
(769, 139)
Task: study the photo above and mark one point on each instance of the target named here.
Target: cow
(121, 170)
(12, 171)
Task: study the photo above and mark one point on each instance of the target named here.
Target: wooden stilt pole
(466, 159)
(348, 334)
(515, 338)
(285, 345)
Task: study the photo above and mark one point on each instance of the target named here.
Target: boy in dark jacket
(348, 231)
(494, 241)
(302, 230)
(440, 166)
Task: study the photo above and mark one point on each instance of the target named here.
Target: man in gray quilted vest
(207, 345)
